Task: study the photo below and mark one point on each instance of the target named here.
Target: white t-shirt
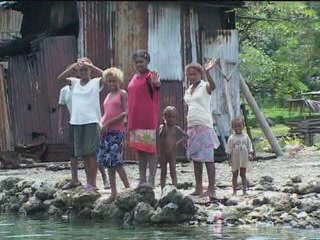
(65, 97)
(199, 112)
(85, 102)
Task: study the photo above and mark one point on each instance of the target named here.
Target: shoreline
(280, 194)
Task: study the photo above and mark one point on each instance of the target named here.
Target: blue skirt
(110, 153)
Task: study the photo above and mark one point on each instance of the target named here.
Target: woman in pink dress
(143, 114)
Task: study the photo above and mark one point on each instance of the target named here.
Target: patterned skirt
(110, 153)
(201, 144)
(144, 140)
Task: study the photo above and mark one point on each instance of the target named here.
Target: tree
(280, 46)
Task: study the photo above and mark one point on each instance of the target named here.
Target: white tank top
(199, 112)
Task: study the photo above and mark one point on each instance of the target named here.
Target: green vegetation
(280, 47)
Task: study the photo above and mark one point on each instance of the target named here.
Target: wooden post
(260, 118)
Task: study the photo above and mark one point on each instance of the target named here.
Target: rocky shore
(285, 191)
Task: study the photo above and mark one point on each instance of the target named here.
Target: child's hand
(250, 156)
(210, 64)
(105, 128)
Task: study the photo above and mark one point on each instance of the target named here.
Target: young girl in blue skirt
(110, 153)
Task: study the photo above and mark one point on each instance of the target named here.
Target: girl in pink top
(143, 114)
(110, 153)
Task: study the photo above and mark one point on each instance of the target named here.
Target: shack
(55, 33)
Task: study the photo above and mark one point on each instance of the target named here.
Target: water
(34, 229)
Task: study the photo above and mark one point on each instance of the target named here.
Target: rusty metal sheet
(6, 143)
(223, 44)
(165, 41)
(131, 34)
(96, 33)
(34, 89)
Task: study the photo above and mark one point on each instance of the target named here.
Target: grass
(278, 130)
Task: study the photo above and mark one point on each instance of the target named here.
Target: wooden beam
(260, 118)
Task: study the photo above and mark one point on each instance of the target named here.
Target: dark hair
(195, 66)
(141, 53)
(169, 109)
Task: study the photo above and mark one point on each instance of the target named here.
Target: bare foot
(144, 185)
(197, 192)
(111, 198)
(211, 194)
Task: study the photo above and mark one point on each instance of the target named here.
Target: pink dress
(143, 113)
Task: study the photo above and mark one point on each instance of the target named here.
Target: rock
(14, 208)
(167, 214)
(85, 199)
(9, 183)
(44, 192)
(62, 199)
(266, 179)
(254, 215)
(127, 200)
(60, 184)
(21, 185)
(54, 211)
(244, 208)
(260, 201)
(172, 195)
(296, 179)
(84, 213)
(142, 213)
(231, 215)
(185, 185)
(302, 215)
(32, 206)
(107, 212)
(309, 205)
(128, 219)
(233, 201)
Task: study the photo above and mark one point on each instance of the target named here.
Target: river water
(24, 228)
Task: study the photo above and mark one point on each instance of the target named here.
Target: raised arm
(155, 79)
(70, 71)
(208, 66)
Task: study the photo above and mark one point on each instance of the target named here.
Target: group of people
(99, 141)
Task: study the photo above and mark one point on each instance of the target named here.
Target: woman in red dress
(143, 114)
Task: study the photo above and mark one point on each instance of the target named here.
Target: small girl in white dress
(240, 152)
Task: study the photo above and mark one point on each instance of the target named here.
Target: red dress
(143, 112)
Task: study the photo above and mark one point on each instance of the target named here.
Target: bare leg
(112, 178)
(198, 176)
(103, 175)
(244, 180)
(211, 171)
(235, 181)
(74, 171)
(153, 163)
(173, 172)
(93, 169)
(123, 176)
(142, 167)
(86, 168)
(163, 174)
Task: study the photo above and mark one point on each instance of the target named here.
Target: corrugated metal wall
(6, 143)
(96, 34)
(164, 41)
(223, 44)
(34, 89)
(10, 23)
(131, 34)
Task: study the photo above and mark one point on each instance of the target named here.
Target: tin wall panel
(34, 90)
(6, 143)
(165, 41)
(131, 34)
(223, 44)
(10, 23)
(96, 33)
(194, 33)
